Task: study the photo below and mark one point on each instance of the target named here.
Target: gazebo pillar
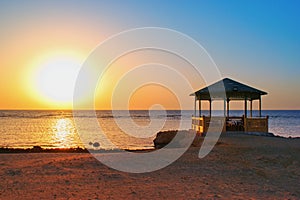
(224, 107)
(199, 107)
(195, 105)
(245, 108)
(210, 107)
(251, 108)
(259, 106)
(228, 107)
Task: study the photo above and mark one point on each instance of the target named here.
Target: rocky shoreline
(162, 139)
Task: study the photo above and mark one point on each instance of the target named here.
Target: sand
(239, 167)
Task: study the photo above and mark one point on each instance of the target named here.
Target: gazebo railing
(256, 124)
(201, 124)
(249, 124)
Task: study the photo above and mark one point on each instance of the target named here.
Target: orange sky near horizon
(19, 91)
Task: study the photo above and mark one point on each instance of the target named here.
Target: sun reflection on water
(64, 133)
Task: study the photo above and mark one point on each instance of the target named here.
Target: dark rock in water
(183, 139)
(96, 144)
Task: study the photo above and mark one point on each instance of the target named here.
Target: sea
(133, 129)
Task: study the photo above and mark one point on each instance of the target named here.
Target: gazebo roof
(234, 91)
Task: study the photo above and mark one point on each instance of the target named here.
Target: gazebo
(227, 90)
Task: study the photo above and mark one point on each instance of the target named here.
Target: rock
(12, 172)
(260, 134)
(163, 138)
(96, 144)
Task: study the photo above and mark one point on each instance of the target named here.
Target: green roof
(234, 91)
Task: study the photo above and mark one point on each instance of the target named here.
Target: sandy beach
(239, 167)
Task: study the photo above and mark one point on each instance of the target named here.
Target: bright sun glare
(55, 79)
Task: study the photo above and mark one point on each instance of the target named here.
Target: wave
(278, 115)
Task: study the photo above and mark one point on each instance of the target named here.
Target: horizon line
(61, 109)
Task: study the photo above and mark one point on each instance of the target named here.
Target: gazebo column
(245, 108)
(259, 106)
(199, 107)
(195, 105)
(224, 107)
(251, 108)
(210, 107)
(228, 107)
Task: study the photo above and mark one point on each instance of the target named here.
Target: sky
(254, 42)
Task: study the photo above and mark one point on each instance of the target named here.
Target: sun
(55, 79)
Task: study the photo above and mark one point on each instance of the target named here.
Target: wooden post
(267, 123)
(259, 106)
(195, 106)
(246, 108)
(199, 107)
(224, 107)
(210, 107)
(245, 124)
(228, 107)
(251, 108)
